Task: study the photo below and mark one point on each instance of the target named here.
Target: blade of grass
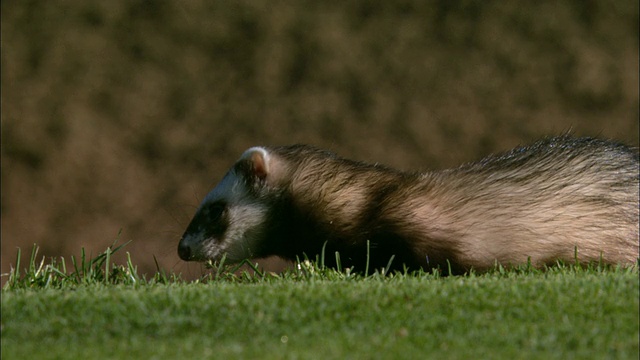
(131, 269)
(324, 247)
(83, 263)
(106, 266)
(386, 270)
(221, 265)
(32, 260)
(16, 273)
(366, 267)
(64, 265)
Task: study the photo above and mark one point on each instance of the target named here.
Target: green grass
(94, 308)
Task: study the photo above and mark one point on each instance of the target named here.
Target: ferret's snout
(184, 251)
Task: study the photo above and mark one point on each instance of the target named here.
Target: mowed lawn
(562, 314)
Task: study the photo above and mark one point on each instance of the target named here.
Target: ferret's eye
(214, 212)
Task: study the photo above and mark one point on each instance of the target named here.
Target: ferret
(561, 199)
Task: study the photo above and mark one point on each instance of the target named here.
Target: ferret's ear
(258, 161)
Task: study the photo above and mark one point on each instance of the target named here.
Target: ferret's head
(232, 218)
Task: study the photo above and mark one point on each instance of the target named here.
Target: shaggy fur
(554, 200)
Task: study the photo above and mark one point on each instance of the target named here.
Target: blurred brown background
(122, 114)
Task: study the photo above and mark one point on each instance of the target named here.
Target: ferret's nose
(184, 251)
